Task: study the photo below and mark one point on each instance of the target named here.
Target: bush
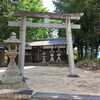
(89, 64)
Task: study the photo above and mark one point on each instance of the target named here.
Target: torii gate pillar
(70, 48)
(23, 44)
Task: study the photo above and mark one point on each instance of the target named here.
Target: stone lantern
(12, 74)
(12, 80)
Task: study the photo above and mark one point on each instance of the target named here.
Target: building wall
(36, 54)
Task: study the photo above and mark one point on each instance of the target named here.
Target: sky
(49, 5)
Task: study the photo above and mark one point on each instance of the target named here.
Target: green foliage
(32, 5)
(5, 8)
(88, 64)
(88, 7)
(36, 34)
(86, 36)
(6, 13)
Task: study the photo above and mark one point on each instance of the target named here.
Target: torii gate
(23, 24)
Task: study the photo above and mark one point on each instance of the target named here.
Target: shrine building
(46, 51)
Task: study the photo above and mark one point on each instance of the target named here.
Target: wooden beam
(43, 25)
(75, 16)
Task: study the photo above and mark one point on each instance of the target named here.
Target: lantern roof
(12, 39)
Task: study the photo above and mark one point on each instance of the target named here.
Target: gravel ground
(55, 80)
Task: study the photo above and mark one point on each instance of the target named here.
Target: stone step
(9, 94)
(58, 96)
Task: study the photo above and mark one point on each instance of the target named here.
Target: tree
(86, 36)
(34, 6)
(31, 5)
(7, 10)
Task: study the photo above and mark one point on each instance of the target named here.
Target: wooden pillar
(70, 48)
(23, 44)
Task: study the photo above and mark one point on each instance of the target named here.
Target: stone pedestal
(12, 79)
(12, 74)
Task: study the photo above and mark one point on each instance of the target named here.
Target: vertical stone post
(70, 48)
(23, 44)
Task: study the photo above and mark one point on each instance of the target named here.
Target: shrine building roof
(48, 42)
